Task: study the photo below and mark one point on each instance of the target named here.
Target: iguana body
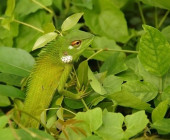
(51, 73)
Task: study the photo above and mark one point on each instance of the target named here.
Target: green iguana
(51, 72)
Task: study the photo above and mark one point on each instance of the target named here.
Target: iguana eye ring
(76, 43)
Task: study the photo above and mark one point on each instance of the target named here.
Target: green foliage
(124, 75)
(154, 51)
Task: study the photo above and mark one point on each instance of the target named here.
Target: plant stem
(63, 109)
(94, 54)
(29, 25)
(84, 104)
(163, 19)
(100, 50)
(78, 82)
(43, 6)
(141, 12)
(156, 17)
(26, 24)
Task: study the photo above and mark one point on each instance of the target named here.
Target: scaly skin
(50, 74)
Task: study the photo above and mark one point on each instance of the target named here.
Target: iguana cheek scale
(51, 73)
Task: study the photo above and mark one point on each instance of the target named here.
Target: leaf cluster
(125, 73)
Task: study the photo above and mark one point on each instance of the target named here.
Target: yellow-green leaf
(71, 21)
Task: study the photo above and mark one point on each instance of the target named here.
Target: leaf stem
(78, 82)
(141, 12)
(106, 49)
(63, 109)
(163, 19)
(43, 6)
(28, 25)
(95, 54)
(84, 104)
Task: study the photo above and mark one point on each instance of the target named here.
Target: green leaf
(37, 134)
(6, 36)
(112, 125)
(166, 80)
(3, 121)
(83, 3)
(120, 3)
(148, 77)
(154, 51)
(60, 113)
(15, 61)
(159, 112)
(77, 129)
(43, 40)
(10, 79)
(162, 126)
(143, 90)
(95, 84)
(10, 7)
(114, 64)
(82, 73)
(93, 137)
(105, 19)
(158, 3)
(129, 75)
(112, 84)
(6, 134)
(111, 128)
(11, 91)
(166, 32)
(92, 117)
(4, 101)
(135, 123)
(28, 36)
(58, 4)
(132, 61)
(25, 7)
(74, 104)
(102, 43)
(9, 14)
(71, 21)
(127, 99)
(166, 94)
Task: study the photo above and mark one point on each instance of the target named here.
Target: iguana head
(74, 43)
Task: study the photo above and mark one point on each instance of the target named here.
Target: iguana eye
(76, 43)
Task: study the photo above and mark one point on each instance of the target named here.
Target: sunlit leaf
(15, 61)
(92, 117)
(154, 51)
(43, 40)
(143, 90)
(159, 112)
(105, 19)
(11, 91)
(71, 21)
